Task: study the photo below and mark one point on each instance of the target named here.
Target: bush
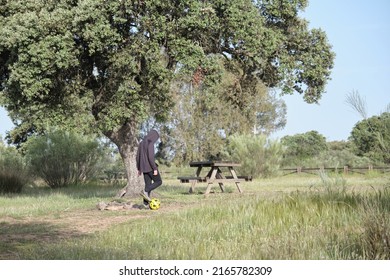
(258, 155)
(338, 154)
(302, 147)
(371, 138)
(13, 171)
(336, 159)
(61, 158)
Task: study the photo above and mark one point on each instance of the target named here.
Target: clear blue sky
(359, 32)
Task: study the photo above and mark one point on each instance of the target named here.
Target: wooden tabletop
(214, 163)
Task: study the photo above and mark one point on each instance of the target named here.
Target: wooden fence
(345, 169)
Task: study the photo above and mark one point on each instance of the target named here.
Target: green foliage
(205, 116)
(195, 126)
(13, 171)
(311, 150)
(338, 155)
(61, 158)
(307, 51)
(259, 156)
(371, 138)
(272, 116)
(110, 65)
(337, 159)
(300, 147)
(110, 62)
(84, 60)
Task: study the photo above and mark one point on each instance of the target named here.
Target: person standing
(147, 166)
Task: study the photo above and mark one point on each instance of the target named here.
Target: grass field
(291, 217)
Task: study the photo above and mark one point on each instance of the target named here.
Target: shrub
(338, 154)
(258, 155)
(61, 158)
(336, 159)
(13, 172)
(371, 138)
(301, 147)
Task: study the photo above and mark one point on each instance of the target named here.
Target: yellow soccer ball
(154, 204)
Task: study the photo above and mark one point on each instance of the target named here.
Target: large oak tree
(108, 65)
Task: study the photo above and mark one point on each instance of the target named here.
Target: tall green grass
(292, 217)
(41, 201)
(298, 225)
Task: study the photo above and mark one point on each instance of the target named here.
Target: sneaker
(145, 195)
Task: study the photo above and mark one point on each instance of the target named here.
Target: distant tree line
(61, 158)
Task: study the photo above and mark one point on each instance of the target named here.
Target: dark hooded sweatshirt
(145, 154)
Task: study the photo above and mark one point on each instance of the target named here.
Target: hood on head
(152, 136)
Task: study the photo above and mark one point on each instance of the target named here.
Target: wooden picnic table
(216, 173)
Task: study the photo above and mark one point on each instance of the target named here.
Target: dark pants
(152, 181)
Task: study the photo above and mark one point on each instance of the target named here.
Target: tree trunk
(126, 141)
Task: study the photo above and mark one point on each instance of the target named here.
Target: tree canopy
(371, 138)
(204, 117)
(303, 146)
(109, 65)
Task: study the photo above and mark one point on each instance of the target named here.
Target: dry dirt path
(51, 228)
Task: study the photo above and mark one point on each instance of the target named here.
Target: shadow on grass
(17, 237)
(82, 191)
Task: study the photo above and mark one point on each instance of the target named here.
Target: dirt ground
(16, 232)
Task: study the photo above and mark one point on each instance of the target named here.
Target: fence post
(345, 169)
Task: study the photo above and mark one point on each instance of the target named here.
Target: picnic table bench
(189, 179)
(215, 174)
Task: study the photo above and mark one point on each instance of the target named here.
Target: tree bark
(126, 141)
